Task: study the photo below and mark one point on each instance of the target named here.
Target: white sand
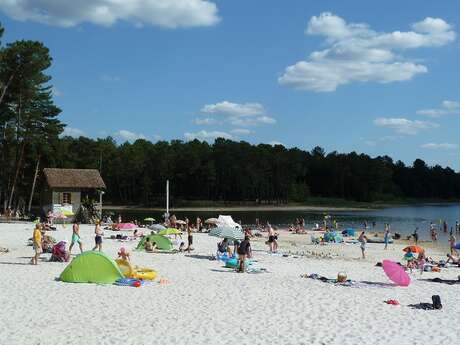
(208, 304)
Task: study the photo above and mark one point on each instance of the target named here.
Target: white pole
(167, 198)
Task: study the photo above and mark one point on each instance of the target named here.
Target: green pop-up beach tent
(91, 267)
(162, 242)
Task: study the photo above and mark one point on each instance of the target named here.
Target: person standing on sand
(75, 237)
(244, 251)
(198, 224)
(363, 240)
(444, 226)
(189, 238)
(415, 235)
(452, 244)
(272, 239)
(98, 236)
(37, 244)
(386, 236)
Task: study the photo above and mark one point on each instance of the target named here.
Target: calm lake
(402, 219)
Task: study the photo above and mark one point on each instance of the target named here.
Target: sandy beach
(206, 303)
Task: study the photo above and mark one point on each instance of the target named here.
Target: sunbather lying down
(444, 281)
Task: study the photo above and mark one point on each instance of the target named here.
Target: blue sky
(374, 77)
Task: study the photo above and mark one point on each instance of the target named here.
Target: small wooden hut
(64, 189)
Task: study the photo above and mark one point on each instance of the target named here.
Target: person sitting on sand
(363, 240)
(410, 260)
(149, 246)
(453, 259)
(37, 244)
(123, 254)
(223, 247)
(244, 251)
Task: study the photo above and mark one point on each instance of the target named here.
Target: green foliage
(28, 116)
(228, 171)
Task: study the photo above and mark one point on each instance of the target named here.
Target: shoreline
(240, 208)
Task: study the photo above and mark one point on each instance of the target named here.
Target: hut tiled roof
(73, 178)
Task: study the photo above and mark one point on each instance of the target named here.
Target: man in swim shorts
(75, 237)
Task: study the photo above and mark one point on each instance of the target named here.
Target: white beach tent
(228, 221)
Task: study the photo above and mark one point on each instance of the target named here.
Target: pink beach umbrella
(396, 273)
(126, 226)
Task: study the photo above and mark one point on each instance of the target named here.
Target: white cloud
(384, 139)
(205, 121)
(125, 135)
(207, 136)
(451, 105)
(72, 132)
(440, 146)
(234, 109)
(355, 53)
(405, 126)
(164, 13)
(241, 131)
(237, 114)
(447, 108)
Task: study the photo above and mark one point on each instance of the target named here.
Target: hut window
(66, 198)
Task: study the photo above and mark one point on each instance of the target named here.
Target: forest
(225, 171)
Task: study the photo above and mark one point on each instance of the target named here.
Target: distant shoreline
(241, 208)
(283, 208)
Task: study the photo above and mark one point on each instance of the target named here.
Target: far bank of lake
(403, 219)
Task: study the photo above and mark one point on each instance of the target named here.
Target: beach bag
(436, 302)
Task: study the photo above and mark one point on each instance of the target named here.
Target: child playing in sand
(421, 261)
(37, 244)
(123, 254)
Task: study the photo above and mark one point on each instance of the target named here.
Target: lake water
(402, 219)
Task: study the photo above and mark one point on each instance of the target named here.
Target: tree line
(228, 171)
